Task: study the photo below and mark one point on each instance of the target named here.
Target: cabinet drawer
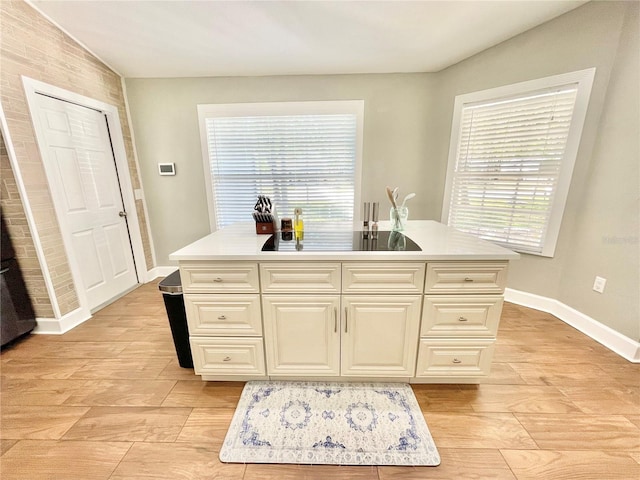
(300, 277)
(477, 277)
(382, 277)
(228, 315)
(454, 358)
(232, 277)
(227, 356)
(452, 315)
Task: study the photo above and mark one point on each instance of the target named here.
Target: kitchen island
(335, 305)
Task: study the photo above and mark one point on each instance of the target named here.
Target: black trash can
(171, 288)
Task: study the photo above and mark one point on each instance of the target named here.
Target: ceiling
(244, 38)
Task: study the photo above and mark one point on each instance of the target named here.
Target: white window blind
(510, 157)
(298, 160)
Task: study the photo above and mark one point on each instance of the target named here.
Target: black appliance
(17, 316)
(171, 288)
(340, 241)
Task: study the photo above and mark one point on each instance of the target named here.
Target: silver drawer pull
(455, 360)
(222, 317)
(217, 280)
(468, 279)
(335, 320)
(226, 359)
(462, 319)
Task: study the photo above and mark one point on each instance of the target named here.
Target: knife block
(264, 228)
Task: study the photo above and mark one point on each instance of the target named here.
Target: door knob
(123, 214)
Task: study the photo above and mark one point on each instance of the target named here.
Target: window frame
(355, 107)
(584, 81)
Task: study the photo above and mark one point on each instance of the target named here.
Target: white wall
(606, 231)
(407, 128)
(396, 150)
(603, 199)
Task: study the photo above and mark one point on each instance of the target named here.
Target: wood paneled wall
(32, 46)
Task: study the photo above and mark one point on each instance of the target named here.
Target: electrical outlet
(599, 283)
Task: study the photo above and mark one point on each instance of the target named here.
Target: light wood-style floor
(108, 400)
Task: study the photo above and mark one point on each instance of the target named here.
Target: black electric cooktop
(331, 241)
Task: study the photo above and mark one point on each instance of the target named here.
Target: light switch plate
(599, 284)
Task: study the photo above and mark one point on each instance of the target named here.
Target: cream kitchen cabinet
(372, 335)
(223, 314)
(302, 335)
(383, 277)
(222, 302)
(460, 319)
(453, 359)
(381, 323)
(217, 358)
(422, 316)
(465, 277)
(308, 336)
(300, 277)
(379, 335)
(219, 277)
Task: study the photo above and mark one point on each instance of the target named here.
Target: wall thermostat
(167, 168)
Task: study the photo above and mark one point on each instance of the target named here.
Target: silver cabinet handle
(335, 319)
(217, 280)
(226, 359)
(345, 319)
(455, 360)
(123, 214)
(222, 317)
(462, 319)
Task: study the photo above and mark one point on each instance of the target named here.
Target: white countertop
(438, 242)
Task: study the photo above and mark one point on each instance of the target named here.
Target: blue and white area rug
(329, 423)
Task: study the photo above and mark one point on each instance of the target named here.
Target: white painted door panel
(84, 183)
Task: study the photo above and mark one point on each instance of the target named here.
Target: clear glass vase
(398, 218)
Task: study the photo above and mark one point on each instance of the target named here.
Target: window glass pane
(508, 163)
(305, 161)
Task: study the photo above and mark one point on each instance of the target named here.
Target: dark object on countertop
(17, 317)
(171, 288)
(344, 241)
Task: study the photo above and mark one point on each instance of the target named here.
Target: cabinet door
(302, 335)
(380, 335)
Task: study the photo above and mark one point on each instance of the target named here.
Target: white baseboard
(614, 341)
(160, 272)
(58, 326)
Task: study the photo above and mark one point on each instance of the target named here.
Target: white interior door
(82, 174)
